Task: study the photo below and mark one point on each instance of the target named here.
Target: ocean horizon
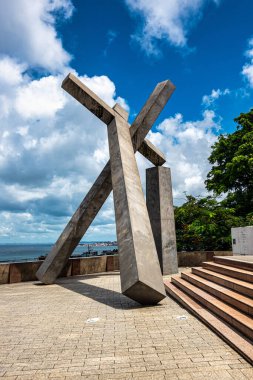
(12, 252)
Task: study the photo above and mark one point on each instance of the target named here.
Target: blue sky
(52, 149)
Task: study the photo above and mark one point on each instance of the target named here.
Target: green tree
(204, 224)
(232, 170)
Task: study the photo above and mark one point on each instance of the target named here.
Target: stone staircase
(220, 293)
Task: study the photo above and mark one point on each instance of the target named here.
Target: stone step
(228, 334)
(239, 286)
(232, 316)
(240, 274)
(232, 298)
(236, 262)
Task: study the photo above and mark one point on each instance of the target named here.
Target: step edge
(235, 263)
(232, 283)
(245, 324)
(211, 320)
(241, 283)
(246, 302)
(234, 269)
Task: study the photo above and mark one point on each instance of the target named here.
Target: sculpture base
(144, 294)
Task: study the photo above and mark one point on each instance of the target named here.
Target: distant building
(242, 240)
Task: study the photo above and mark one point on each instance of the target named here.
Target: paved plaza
(83, 327)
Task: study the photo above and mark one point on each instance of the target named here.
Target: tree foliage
(232, 170)
(204, 224)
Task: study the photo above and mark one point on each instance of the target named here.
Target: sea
(30, 252)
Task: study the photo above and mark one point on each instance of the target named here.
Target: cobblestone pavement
(83, 328)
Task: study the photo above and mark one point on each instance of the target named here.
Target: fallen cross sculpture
(140, 272)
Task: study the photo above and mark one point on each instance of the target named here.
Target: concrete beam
(76, 227)
(140, 273)
(152, 153)
(97, 195)
(98, 107)
(161, 213)
(88, 98)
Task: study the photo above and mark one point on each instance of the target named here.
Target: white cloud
(11, 76)
(208, 100)
(105, 89)
(111, 35)
(11, 71)
(51, 151)
(163, 19)
(48, 129)
(101, 154)
(40, 98)
(52, 148)
(27, 31)
(187, 146)
(247, 70)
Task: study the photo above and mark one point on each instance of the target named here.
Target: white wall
(242, 240)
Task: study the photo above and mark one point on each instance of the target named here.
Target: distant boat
(42, 257)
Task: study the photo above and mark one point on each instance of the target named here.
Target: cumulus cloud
(40, 98)
(208, 100)
(51, 150)
(168, 20)
(187, 146)
(247, 70)
(27, 31)
(11, 71)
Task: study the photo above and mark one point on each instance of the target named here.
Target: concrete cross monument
(140, 269)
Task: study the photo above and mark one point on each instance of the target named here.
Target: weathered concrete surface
(25, 271)
(88, 98)
(112, 263)
(100, 190)
(140, 273)
(98, 107)
(161, 214)
(196, 258)
(152, 153)
(76, 228)
(4, 273)
(92, 265)
(150, 112)
(121, 111)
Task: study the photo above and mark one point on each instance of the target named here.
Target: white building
(242, 240)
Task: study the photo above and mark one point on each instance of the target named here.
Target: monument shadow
(107, 297)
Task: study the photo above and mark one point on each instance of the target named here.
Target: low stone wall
(196, 258)
(88, 265)
(26, 271)
(4, 273)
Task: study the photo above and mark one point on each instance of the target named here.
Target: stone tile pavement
(83, 328)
